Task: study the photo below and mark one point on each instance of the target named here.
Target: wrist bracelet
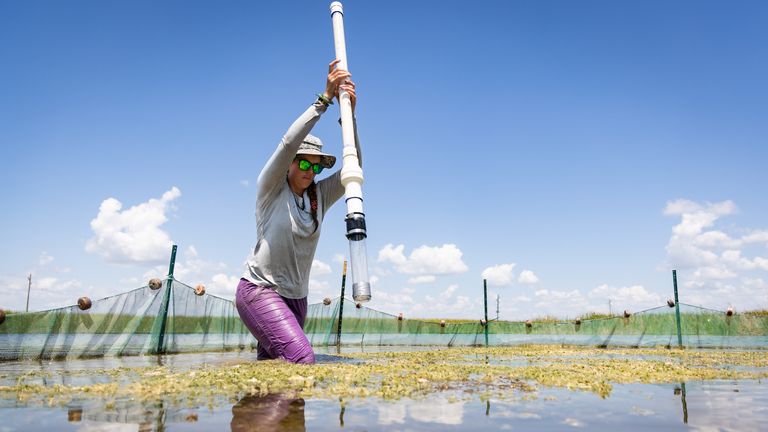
(321, 97)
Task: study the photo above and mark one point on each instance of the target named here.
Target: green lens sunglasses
(304, 165)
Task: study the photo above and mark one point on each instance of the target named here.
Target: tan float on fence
(577, 322)
(155, 283)
(529, 324)
(358, 305)
(442, 323)
(200, 289)
(670, 303)
(627, 313)
(483, 322)
(400, 317)
(327, 301)
(84, 303)
(729, 312)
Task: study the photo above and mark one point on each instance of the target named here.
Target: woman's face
(298, 179)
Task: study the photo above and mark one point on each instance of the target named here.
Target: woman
(272, 295)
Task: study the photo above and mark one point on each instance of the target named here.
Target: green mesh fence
(130, 323)
(173, 319)
(700, 327)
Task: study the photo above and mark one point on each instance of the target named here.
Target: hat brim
(326, 160)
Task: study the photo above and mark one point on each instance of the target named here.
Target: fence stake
(485, 301)
(160, 349)
(341, 304)
(677, 311)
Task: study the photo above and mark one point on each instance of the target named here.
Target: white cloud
(317, 287)
(500, 275)
(191, 269)
(391, 302)
(223, 285)
(132, 235)
(711, 261)
(528, 277)
(245, 183)
(319, 268)
(445, 259)
(448, 293)
(48, 291)
(424, 279)
(45, 259)
(634, 297)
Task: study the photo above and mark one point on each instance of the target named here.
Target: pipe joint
(351, 173)
(356, 226)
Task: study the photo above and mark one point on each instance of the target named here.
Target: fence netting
(175, 319)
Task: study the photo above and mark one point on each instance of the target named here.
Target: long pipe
(351, 173)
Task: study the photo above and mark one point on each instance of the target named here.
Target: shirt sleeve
(273, 173)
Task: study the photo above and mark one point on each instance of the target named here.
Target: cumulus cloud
(191, 269)
(500, 275)
(425, 279)
(47, 291)
(45, 259)
(132, 235)
(445, 259)
(223, 285)
(319, 268)
(713, 262)
(634, 297)
(528, 277)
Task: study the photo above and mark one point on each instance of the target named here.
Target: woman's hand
(349, 87)
(336, 80)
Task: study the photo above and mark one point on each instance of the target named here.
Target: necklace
(299, 201)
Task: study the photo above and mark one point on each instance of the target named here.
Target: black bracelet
(321, 97)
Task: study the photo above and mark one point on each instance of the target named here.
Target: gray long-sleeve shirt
(286, 234)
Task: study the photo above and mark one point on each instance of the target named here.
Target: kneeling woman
(272, 295)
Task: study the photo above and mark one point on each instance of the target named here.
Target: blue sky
(571, 152)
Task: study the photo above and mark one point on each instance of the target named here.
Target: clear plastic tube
(358, 257)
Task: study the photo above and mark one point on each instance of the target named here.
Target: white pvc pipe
(351, 173)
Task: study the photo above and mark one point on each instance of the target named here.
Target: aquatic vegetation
(498, 372)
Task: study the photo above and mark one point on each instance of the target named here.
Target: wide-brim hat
(313, 146)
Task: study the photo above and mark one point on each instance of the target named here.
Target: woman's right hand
(336, 76)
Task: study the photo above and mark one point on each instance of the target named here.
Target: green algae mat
(497, 372)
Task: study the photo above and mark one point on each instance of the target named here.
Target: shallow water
(717, 405)
(696, 405)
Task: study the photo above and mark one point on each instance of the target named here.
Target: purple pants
(275, 321)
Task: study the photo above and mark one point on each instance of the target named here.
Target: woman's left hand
(349, 87)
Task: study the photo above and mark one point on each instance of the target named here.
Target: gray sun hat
(313, 146)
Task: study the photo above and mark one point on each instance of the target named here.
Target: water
(716, 405)
(696, 405)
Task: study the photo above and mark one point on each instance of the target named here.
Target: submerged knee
(302, 356)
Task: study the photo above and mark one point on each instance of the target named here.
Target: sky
(570, 153)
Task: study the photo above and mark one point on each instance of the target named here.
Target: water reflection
(274, 412)
(435, 411)
(680, 391)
